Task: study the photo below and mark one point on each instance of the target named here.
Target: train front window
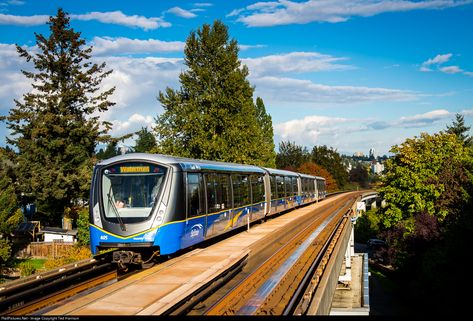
(130, 191)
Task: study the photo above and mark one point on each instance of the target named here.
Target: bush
(26, 268)
(71, 255)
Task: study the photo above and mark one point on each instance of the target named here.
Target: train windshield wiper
(115, 210)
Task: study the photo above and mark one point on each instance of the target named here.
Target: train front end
(128, 205)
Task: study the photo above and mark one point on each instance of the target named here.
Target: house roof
(57, 230)
(27, 227)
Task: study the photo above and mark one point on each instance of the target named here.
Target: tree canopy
(213, 116)
(291, 156)
(459, 129)
(56, 126)
(145, 141)
(331, 160)
(427, 174)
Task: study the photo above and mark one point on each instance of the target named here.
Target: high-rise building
(372, 153)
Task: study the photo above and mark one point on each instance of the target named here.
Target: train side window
(257, 188)
(195, 191)
(223, 192)
(241, 193)
(288, 184)
(274, 190)
(280, 187)
(294, 186)
(211, 193)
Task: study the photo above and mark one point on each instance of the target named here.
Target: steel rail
(272, 266)
(303, 293)
(27, 294)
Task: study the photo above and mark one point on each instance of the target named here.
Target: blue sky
(352, 75)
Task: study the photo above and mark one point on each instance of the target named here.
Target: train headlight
(160, 215)
(96, 216)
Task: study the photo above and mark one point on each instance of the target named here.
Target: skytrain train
(146, 205)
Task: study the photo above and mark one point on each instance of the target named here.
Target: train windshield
(130, 191)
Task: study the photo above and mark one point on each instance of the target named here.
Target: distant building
(358, 154)
(376, 168)
(372, 153)
(51, 234)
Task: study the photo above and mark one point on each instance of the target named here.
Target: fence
(46, 249)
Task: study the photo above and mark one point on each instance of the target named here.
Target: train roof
(307, 176)
(185, 164)
(280, 172)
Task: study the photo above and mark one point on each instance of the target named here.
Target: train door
(258, 200)
(289, 199)
(219, 205)
(241, 200)
(194, 230)
(274, 194)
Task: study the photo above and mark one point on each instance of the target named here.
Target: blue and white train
(145, 205)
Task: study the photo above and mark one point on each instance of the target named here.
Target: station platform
(155, 290)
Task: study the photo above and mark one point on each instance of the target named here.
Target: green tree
(212, 116)
(145, 141)
(110, 151)
(83, 237)
(266, 124)
(359, 174)
(10, 212)
(460, 130)
(291, 156)
(331, 160)
(430, 174)
(56, 127)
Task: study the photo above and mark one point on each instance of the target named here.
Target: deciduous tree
(430, 174)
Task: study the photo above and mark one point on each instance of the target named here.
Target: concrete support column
(349, 252)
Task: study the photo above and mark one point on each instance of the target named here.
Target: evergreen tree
(460, 130)
(266, 124)
(145, 141)
(212, 116)
(110, 151)
(56, 127)
(10, 212)
(291, 156)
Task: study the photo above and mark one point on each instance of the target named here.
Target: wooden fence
(46, 249)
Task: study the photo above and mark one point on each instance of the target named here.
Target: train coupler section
(124, 258)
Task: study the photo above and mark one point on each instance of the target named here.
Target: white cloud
(437, 62)
(451, 69)
(309, 128)
(121, 45)
(112, 17)
(439, 59)
(296, 91)
(182, 13)
(119, 18)
(422, 120)
(247, 47)
(359, 133)
(134, 123)
(203, 4)
(7, 19)
(283, 12)
(294, 62)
